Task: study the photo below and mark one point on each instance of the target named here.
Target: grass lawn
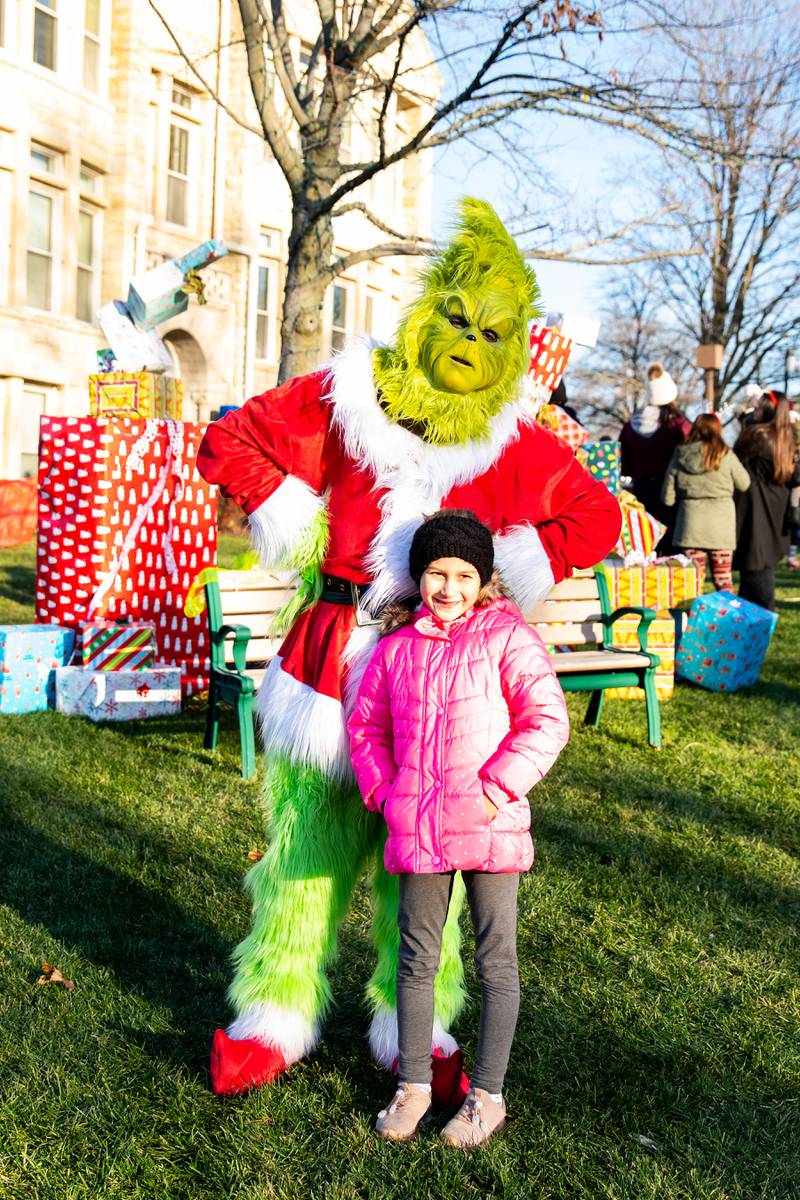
(658, 1048)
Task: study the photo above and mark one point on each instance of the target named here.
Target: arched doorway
(191, 367)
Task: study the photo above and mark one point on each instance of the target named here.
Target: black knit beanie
(452, 533)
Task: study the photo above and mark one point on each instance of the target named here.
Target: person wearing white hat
(649, 438)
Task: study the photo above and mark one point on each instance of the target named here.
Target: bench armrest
(241, 636)
(645, 615)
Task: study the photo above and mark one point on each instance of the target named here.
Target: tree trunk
(307, 277)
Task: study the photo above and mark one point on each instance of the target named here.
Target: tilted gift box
(118, 695)
(550, 352)
(156, 295)
(640, 533)
(562, 424)
(202, 255)
(724, 643)
(661, 640)
(602, 460)
(112, 646)
(125, 524)
(133, 349)
(29, 655)
(667, 583)
(135, 394)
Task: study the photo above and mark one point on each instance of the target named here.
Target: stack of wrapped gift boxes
(118, 678)
(125, 524)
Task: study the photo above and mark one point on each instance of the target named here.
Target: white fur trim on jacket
(414, 476)
(524, 565)
(272, 1025)
(384, 1044)
(277, 524)
(302, 723)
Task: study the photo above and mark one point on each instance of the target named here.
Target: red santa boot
(237, 1066)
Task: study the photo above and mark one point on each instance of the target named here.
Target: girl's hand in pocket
(491, 809)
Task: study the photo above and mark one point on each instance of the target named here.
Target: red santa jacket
(323, 440)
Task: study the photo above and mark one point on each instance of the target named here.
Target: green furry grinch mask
(462, 347)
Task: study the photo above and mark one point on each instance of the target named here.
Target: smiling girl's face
(450, 587)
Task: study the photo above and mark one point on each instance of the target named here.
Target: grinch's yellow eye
(489, 335)
(457, 322)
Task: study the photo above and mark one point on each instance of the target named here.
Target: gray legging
(424, 900)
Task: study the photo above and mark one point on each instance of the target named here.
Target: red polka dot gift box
(125, 524)
(550, 352)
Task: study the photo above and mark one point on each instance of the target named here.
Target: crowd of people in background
(737, 507)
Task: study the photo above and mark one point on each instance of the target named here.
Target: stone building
(114, 157)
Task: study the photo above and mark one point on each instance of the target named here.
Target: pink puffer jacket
(445, 713)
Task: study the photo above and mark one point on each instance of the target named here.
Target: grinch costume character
(336, 470)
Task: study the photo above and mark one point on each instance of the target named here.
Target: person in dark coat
(647, 442)
(767, 451)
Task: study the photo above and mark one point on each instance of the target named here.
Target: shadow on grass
(19, 583)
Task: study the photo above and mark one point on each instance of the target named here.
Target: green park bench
(241, 606)
(577, 612)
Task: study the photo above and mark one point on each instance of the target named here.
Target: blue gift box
(202, 255)
(724, 643)
(603, 462)
(29, 655)
(156, 295)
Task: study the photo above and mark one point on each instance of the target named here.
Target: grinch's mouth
(462, 362)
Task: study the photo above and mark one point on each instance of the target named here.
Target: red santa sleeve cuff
(524, 564)
(277, 525)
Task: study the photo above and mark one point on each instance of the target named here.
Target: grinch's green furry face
(464, 345)
(462, 348)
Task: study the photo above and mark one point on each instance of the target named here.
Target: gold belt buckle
(362, 618)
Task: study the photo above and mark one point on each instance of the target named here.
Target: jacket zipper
(443, 723)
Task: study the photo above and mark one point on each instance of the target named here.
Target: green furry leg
(320, 834)
(449, 991)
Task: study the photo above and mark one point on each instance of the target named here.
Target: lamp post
(789, 368)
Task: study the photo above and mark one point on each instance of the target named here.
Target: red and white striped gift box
(125, 524)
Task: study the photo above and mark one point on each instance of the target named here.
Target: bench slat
(243, 604)
(574, 589)
(564, 611)
(259, 650)
(598, 660)
(569, 634)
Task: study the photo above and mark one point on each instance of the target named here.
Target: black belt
(336, 590)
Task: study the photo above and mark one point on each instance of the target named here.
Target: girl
(459, 714)
(768, 451)
(701, 479)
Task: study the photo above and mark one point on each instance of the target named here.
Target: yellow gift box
(660, 641)
(659, 585)
(135, 394)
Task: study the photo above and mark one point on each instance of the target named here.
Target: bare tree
(494, 62)
(739, 200)
(608, 382)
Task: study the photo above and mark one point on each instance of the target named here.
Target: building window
(90, 181)
(91, 45)
(263, 313)
(34, 405)
(178, 175)
(181, 96)
(88, 224)
(44, 33)
(40, 251)
(339, 321)
(44, 161)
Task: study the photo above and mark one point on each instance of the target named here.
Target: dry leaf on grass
(53, 975)
(255, 855)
